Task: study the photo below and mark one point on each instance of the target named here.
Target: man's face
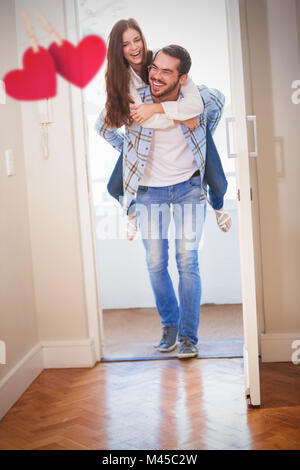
(163, 76)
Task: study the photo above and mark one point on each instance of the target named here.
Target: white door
(241, 151)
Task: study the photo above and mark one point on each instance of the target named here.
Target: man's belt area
(197, 173)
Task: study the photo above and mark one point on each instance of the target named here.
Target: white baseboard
(277, 347)
(19, 378)
(44, 355)
(64, 354)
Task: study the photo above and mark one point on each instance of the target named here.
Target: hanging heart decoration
(79, 64)
(36, 81)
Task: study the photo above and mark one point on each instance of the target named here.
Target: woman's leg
(115, 184)
(214, 173)
(115, 189)
(217, 184)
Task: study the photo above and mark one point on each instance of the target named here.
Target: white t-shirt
(170, 160)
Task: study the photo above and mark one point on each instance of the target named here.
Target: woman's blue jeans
(214, 176)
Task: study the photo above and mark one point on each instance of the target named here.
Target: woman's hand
(143, 112)
(192, 123)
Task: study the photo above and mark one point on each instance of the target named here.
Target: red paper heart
(36, 81)
(79, 64)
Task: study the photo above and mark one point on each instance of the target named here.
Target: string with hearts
(37, 79)
(76, 64)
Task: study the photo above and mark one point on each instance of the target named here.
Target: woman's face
(133, 48)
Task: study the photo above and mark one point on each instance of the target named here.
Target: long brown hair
(117, 74)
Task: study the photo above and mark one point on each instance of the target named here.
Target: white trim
(247, 260)
(64, 354)
(44, 355)
(277, 347)
(93, 309)
(19, 378)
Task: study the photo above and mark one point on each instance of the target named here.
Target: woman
(127, 70)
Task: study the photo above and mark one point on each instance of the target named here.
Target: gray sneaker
(187, 349)
(168, 340)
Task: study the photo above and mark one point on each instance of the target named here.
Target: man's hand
(192, 123)
(143, 112)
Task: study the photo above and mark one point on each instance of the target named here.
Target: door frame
(85, 210)
(84, 197)
(246, 232)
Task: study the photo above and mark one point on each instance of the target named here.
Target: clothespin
(44, 106)
(29, 30)
(45, 23)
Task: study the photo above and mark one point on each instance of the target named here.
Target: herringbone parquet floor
(168, 404)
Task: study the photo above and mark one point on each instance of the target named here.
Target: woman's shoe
(131, 227)
(223, 220)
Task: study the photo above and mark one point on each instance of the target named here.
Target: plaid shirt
(136, 141)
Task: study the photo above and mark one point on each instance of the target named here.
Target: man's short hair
(179, 53)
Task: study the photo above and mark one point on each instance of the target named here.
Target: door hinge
(239, 194)
(248, 397)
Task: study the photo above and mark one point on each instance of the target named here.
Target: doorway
(92, 18)
(126, 297)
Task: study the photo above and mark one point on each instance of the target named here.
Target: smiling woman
(127, 47)
(133, 48)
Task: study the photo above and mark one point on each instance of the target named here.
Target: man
(163, 168)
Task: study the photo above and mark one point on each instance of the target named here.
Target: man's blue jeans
(214, 176)
(153, 206)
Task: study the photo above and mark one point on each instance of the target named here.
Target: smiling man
(165, 171)
(164, 80)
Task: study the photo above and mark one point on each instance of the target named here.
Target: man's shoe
(187, 349)
(168, 341)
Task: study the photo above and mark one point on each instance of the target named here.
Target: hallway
(173, 404)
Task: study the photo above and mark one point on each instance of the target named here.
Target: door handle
(227, 121)
(253, 119)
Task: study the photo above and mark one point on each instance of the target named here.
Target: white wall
(272, 29)
(274, 50)
(53, 210)
(43, 318)
(18, 322)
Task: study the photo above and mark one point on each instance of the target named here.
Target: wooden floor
(161, 404)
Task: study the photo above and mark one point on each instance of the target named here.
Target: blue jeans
(153, 206)
(214, 176)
